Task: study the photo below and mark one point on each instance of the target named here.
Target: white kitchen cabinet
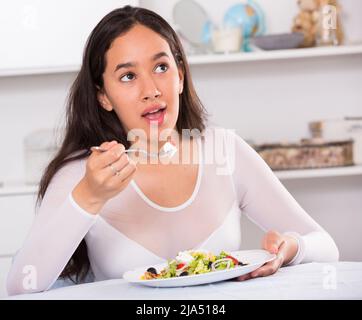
(43, 36)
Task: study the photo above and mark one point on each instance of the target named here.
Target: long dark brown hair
(88, 124)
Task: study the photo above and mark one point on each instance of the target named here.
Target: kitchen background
(269, 97)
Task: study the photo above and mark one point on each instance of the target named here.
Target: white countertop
(342, 280)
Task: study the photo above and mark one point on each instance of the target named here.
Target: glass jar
(39, 148)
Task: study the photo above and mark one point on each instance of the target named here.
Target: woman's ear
(104, 101)
(181, 87)
(181, 81)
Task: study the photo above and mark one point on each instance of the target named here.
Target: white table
(342, 280)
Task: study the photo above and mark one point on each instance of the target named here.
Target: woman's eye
(128, 77)
(161, 68)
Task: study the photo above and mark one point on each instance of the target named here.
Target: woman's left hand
(285, 247)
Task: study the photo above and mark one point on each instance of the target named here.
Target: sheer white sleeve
(266, 202)
(58, 227)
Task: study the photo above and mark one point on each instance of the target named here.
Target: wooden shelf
(18, 188)
(36, 71)
(319, 173)
(275, 55)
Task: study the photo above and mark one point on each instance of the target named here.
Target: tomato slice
(180, 265)
(236, 261)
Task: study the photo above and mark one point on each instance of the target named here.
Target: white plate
(254, 258)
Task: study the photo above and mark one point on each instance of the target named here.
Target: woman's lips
(157, 117)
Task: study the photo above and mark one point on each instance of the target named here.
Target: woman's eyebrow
(124, 65)
(133, 64)
(159, 55)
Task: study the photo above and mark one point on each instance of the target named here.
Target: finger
(272, 241)
(127, 180)
(272, 266)
(125, 173)
(108, 144)
(113, 154)
(268, 268)
(117, 166)
(243, 277)
(103, 147)
(282, 251)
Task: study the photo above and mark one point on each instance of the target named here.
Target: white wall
(274, 100)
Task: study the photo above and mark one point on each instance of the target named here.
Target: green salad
(193, 262)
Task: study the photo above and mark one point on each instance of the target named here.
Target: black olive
(209, 265)
(152, 270)
(242, 264)
(185, 273)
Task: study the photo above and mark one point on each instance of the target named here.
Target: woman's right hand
(107, 174)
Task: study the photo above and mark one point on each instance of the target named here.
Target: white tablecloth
(342, 280)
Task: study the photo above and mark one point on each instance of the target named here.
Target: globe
(249, 17)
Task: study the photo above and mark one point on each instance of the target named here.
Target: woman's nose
(150, 90)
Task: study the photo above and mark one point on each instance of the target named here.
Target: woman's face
(141, 77)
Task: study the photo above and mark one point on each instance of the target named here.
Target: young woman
(106, 212)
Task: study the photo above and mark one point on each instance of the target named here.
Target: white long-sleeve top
(133, 231)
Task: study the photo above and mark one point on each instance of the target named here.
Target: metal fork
(168, 149)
